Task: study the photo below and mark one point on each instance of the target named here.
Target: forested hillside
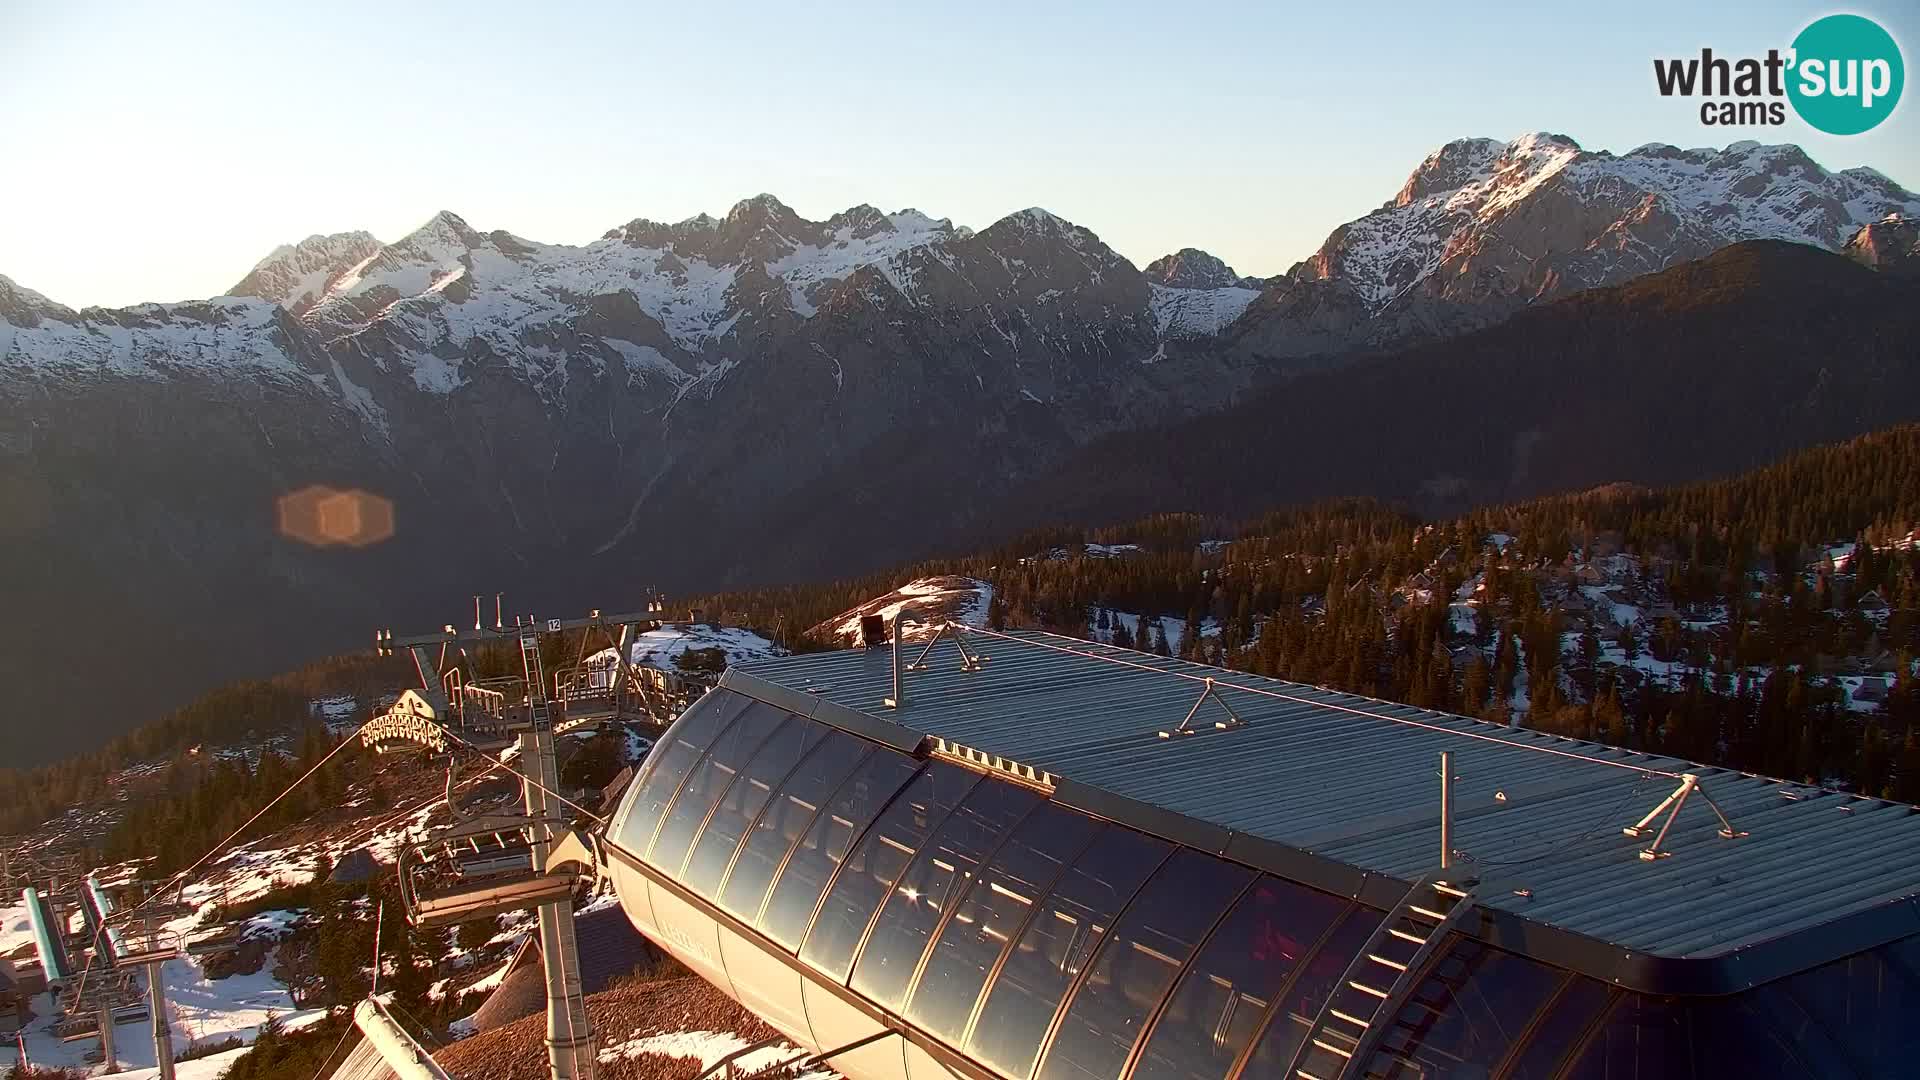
(1701, 370)
(1767, 621)
(247, 712)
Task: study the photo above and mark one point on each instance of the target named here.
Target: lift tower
(480, 855)
(570, 1045)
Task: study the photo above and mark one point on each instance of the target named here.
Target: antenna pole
(1446, 809)
(899, 698)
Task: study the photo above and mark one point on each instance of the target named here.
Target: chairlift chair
(221, 939)
(477, 869)
(496, 704)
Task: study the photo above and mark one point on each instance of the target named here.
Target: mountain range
(759, 396)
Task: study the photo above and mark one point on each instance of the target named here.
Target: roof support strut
(1671, 805)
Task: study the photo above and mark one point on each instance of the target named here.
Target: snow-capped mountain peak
(761, 207)
(17, 302)
(295, 276)
(1479, 228)
(1035, 219)
(1450, 168)
(1480, 220)
(445, 234)
(1196, 294)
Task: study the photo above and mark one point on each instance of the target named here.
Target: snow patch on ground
(200, 1010)
(661, 648)
(932, 601)
(706, 1047)
(1174, 630)
(15, 929)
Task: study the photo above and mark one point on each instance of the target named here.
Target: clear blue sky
(155, 152)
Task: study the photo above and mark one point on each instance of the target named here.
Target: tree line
(1359, 596)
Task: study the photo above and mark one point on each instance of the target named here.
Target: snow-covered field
(201, 1010)
(210, 1067)
(15, 930)
(931, 601)
(662, 648)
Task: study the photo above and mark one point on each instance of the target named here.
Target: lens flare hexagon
(323, 516)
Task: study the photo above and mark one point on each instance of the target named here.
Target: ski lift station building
(1027, 856)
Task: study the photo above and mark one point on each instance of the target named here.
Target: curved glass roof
(1028, 936)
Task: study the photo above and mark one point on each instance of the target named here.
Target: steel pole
(162, 1029)
(570, 1043)
(108, 1056)
(1446, 809)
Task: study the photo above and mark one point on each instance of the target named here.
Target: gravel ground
(684, 1003)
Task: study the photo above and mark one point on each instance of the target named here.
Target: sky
(156, 152)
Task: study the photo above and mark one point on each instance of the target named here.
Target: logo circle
(1847, 74)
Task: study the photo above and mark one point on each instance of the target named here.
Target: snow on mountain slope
(1190, 313)
(859, 237)
(1478, 228)
(1540, 214)
(447, 289)
(1196, 294)
(222, 336)
(295, 276)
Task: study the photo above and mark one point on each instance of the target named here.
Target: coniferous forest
(1766, 622)
(1772, 621)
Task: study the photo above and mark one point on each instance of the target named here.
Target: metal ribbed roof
(1356, 780)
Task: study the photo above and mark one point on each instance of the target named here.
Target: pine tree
(1478, 684)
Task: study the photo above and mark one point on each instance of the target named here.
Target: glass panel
(706, 782)
(1463, 1017)
(785, 818)
(744, 799)
(1138, 963)
(677, 753)
(1554, 1035)
(877, 863)
(1645, 1038)
(1225, 993)
(825, 843)
(931, 883)
(993, 910)
(1300, 1003)
(1055, 946)
(1871, 1001)
(1752, 1036)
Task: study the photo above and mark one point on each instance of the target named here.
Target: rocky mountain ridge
(1479, 228)
(726, 400)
